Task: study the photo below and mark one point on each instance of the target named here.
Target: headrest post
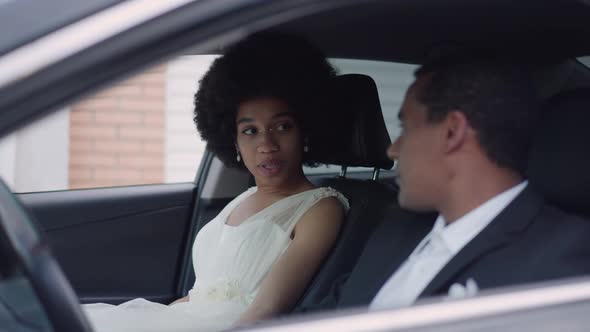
(343, 171)
(376, 172)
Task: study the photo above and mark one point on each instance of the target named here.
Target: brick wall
(117, 135)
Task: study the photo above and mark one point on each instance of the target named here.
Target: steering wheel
(46, 277)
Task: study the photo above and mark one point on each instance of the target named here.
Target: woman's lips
(271, 167)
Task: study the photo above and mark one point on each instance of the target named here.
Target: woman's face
(269, 141)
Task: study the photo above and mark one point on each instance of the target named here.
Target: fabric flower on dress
(224, 290)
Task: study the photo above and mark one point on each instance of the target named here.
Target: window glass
(140, 130)
(137, 131)
(392, 80)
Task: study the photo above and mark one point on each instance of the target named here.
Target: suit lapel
(512, 220)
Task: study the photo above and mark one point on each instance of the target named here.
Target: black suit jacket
(528, 241)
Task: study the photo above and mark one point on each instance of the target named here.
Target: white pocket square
(458, 291)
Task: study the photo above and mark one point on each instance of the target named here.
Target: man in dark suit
(467, 130)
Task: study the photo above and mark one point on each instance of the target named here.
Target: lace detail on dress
(331, 192)
(222, 290)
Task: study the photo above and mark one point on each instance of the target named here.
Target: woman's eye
(249, 131)
(284, 126)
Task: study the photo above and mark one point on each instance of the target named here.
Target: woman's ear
(456, 128)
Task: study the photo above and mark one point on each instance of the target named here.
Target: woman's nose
(268, 142)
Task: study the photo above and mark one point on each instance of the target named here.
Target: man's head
(459, 115)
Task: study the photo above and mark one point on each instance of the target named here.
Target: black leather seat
(559, 163)
(361, 136)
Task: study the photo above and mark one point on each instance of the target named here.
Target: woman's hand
(182, 299)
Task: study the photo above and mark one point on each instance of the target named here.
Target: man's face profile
(417, 151)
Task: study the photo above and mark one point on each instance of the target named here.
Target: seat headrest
(559, 161)
(358, 128)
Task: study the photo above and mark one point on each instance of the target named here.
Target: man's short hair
(497, 98)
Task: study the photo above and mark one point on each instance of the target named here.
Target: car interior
(115, 244)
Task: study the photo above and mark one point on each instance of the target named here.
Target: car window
(140, 130)
(392, 80)
(136, 131)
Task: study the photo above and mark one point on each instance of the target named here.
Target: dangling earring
(238, 157)
(306, 145)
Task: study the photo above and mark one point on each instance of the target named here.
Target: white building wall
(183, 146)
(36, 157)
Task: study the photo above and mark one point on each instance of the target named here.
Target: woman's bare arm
(182, 299)
(314, 235)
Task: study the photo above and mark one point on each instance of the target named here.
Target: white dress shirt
(437, 249)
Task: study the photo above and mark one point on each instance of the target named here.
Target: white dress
(230, 263)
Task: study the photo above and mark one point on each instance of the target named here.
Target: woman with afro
(260, 107)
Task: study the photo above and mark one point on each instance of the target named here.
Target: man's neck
(467, 194)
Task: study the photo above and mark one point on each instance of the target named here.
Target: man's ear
(456, 129)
